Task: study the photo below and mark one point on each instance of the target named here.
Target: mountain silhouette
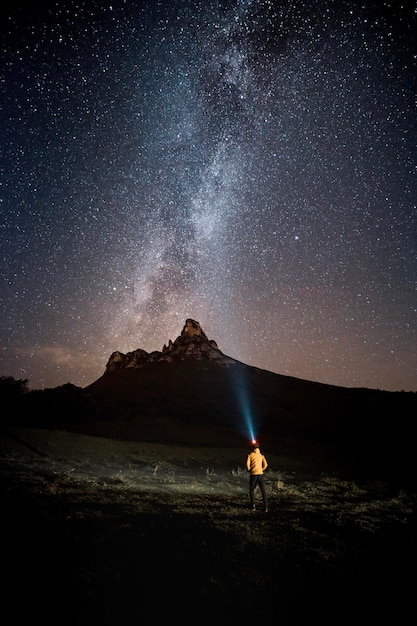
(191, 393)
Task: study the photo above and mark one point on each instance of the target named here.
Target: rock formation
(192, 344)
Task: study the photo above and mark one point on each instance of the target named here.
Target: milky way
(250, 165)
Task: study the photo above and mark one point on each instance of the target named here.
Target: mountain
(192, 345)
(192, 393)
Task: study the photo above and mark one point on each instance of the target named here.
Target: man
(256, 464)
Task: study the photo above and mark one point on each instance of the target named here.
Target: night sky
(250, 165)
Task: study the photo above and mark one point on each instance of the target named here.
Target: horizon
(243, 399)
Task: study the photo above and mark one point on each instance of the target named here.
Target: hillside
(190, 393)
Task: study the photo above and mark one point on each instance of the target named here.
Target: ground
(98, 531)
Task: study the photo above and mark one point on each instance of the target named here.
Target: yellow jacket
(256, 462)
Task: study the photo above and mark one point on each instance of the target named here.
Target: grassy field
(98, 531)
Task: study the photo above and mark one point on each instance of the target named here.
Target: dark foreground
(120, 533)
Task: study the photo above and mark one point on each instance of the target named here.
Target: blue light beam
(244, 402)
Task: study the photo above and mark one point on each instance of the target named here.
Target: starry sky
(249, 164)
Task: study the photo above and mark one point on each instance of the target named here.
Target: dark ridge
(190, 393)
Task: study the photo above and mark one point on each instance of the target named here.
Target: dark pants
(257, 480)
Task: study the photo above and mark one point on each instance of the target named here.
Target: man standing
(256, 464)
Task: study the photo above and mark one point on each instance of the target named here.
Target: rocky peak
(191, 330)
(193, 344)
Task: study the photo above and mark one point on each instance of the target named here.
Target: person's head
(256, 447)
